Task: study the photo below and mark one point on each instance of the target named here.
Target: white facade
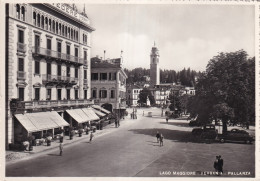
(132, 95)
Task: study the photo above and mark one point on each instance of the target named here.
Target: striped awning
(33, 122)
(73, 113)
(90, 113)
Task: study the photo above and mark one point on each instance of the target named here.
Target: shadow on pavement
(53, 154)
(176, 124)
(174, 135)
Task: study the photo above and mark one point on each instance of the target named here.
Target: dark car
(206, 132)
(236, 135)
(194, 123)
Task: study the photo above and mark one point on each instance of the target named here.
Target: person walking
(91, 136)
(116, 123)
(161, 140)
(220, 164)
(216, 164)
(167, 119)
(61, 148)
(158, 136)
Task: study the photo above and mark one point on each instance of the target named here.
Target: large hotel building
(47, 62)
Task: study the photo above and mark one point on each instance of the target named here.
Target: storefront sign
(69, 10)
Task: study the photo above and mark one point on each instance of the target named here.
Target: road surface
(132, 150)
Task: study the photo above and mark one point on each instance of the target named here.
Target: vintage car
(206, 132)
(236, 135)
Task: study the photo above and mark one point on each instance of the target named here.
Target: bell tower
(154, 66)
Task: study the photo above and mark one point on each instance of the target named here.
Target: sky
(187, 36)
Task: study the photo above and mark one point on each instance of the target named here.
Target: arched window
(83, 38)
(66, 31)
(50, 24)
(77, 35)
(38, 20)
(86, 39)
(59, 29)
(74, 35)
(71, 34)
(17, 11)
(62, 30)
(53, 26)
(46, 23)
(23, 13)
(34, 18)
(42, 22)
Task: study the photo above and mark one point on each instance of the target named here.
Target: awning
(58, 119)
(99, 113)
(90, 113)
(101, 109)
(33, 122)
(83, 115)
(75, 116)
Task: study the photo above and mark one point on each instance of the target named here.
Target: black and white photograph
(120, 89)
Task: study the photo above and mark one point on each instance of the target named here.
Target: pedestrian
(116, 123)
(167, 119)
(161, 140)
(158, 136)
(216, 164)
(91, 136)
(143, 113)
(61, 148)
(220, 164)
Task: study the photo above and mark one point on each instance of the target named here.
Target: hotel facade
(47, 60)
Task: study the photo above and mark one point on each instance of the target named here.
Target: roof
(112, 63)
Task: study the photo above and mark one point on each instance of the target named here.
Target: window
(34, 18)
(103, 93)
(85, 94)
(59, 70)
(59, 94)
(37, 67)
(94, 93)
(48, 94)
(68, 50)
(112, 95)
(76, 72)
(85, 74)
(68, 94)
(38, 20)
(42, 22)
(48, 68)
(17, 11)
(94, 76)
(46, 23)
(68, 71)
(37, 94)
(49, 44)
(76, 94)
(85, 55)
(23, 14)
(59, 49)
(21, 94)
(103, 76)
(21, 64)
(76, 52)
(20, 36)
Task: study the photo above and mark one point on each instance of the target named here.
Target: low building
(132, 95)
(108, 84)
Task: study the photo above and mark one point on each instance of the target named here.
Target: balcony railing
(21, 47)
(55, 103)
(85, 81)
(55, 54)
(21, 75)
(58, 78)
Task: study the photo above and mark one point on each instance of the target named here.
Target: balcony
(21, 47)
(54, 54)
(46, 78)
(85, 81)
(21, 75)
(56, 103)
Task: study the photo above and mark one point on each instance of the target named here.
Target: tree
(227, 84)
(144, 94)
(175, 105)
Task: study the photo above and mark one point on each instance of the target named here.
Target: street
(132, 150)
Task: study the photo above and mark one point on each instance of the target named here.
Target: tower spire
(84, 10)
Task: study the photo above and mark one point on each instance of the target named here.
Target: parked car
(194, 123)
(206, 132)
(236, 135)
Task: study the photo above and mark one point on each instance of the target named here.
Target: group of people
(159, 138)
(218, 164)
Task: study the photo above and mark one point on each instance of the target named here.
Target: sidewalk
(13, 156)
